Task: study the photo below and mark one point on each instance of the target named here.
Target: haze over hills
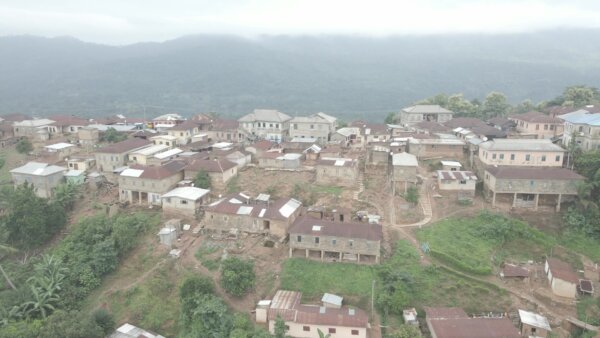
(351, 77)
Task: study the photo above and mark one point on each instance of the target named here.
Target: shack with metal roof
(43, 176)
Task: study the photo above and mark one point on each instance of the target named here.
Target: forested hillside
(352, 77)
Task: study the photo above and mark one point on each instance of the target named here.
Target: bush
(24, 146)
(105, 320)
(202, 180)
(412, 195)
(237, 276)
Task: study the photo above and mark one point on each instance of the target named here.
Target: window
(531, 183)
(270, 125)
(277, 125)
(545, 127)
(493, 156)
(306, 328)
(537, 127)
(312, 126)
(557, 158)
(527, 157)
(501, 156)
(551, 127)
(512, 157)
(463, 182)
(180, 134)
(334, 241)
(580, 129)
(184, 202)
(543, 158)
(287, 327)
(316, 240)
(331, 330)
(355, 332)
(295, 125)
(350, 243)
(299, 239)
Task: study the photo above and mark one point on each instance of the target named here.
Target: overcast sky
(128, 21)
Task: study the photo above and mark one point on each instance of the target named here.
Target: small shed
(514, 271)
(563, 280)
(76, 177)
(261, 310)
(533, 325)
(410, 316)
(167, 236)
(586, 287)
(332, 301)
(312, 152)
(451, 165)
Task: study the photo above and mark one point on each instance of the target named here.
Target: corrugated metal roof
(534, 319)
(59, 146)
(132, 172)
(38, 169)
(405, 160)
(521, 145)
(168, 153)
(289, 207)
(332, 299)
(305, 224)
(474, 328)
(188, 193)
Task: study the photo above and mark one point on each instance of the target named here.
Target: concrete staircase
(361, 186)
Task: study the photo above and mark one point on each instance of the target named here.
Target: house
(451, 165)
(455, 180)
(266, 124)
(582, 127)
(378, 153)
(521, 152)
(336, 241)
(61, 150)
(429, 127)
(225, 130)
(305, 321)
(258, 215)
(184, 201)
(164, 156)
(166, 121)
(319, 126)
(131, 331)
(455, 323)
(533, 324)
(563, 280)
(82, 162)
(341, 172)
(404, 171)
(501, 123)
(312, 153)
(220, 171)
(145, 185)
(116, 155)
(528, 187)
(36, 129)
(88, 136)
(436, 147)
(420, 112)
(42, 176)
(373, 132)
(141, 156)
(348, 137)
(260, 148)
(281, 161)
(68, 124)
(167, 140)
(184, 131)
(76, 177)
(514, 271)
(538, 125)
(466, 127)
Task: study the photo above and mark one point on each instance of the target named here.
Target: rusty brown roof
(511, 270)
(431, 126)
(211, 166)
(305, 224)
(562, 270)
(124, 146)
(536, 117)
(263, 145)
(160, 172)
(16, 117)
(225, 124)
(474, 328)
(69, 120)
(337, 163)
(187, 125)
(533, 173)
(465, 122)
(444, 312)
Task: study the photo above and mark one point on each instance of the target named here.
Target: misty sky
(128, 21)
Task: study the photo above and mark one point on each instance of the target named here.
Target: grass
(11, 159)
(337, 191)
(153, 304)
(204, 251)
(588, 310)
(578, 242)
(468, 245)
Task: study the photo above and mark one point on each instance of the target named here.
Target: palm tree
(42, 303)
(323, 335)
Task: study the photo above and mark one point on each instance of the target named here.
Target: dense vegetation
(352, 77)
(202, 180)
(237, 276)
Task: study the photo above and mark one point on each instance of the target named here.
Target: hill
(352, 77)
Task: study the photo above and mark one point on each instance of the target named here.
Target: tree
(65, 195)
(209, 317)
(323, 335)
(237, 276)
(412, 195)
(5, 249)
(495, 104)
(202, 180)
(111, 135)
(405, 331)
(72, 325)
(578, 96)
(24, 146)
(279, 329)
(104, 320)
(390, 118)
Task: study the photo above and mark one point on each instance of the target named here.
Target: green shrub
(237, 276)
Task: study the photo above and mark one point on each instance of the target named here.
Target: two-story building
(404, 171)
(142, 156)
(36, 129)
(582, 127)
(319, 126)
(301, 320)
(267, 124)
(521, 152)
(529, 187)
(253, 215)
(184, 131)
(166, 121)
(432, 147)
(225, 130)
(42, 176)
(538, 125)
(116, 155)
(336, 241)
(145, 185)
(220, 171)
(422, 112)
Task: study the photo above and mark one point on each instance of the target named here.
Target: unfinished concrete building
(336, 241)
(530, 187)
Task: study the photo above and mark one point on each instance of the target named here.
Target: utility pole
(372, 297)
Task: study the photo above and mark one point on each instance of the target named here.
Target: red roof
(225, 124)
(536, 117)
(187, 125)
(160, 172)
(474, 328)
(264, 145)
(465, 122)
(444, 312)
(347, 163)
(511, 270)
(533, 173)
(69, 120)
(16, 117)
(562, 270)
(124, 146)
(431, 126)
(305, 224)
